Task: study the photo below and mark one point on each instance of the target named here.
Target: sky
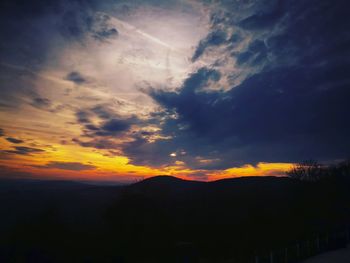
(119, 90)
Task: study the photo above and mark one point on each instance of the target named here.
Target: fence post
(318, 247)
(298, 251)
(286, 255)
(271, 256)
(257, 259)
(308, 248)
(327, 241)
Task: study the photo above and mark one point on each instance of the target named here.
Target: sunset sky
(122, 90)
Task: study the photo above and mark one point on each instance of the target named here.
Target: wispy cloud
(14, 140)
(24, 150)
(76, 78)
(72, 166)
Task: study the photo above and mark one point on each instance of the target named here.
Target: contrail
(135, 29)
(130, 27)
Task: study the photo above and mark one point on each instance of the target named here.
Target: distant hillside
(238, 214)
(26, 200)
(163, 217)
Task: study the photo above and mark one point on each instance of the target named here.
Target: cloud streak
(76, 78)
(24, 150)
(70, 166)
(14, 140)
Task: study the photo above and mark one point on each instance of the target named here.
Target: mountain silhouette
(166, 219)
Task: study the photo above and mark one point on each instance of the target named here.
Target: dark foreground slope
(165, 219)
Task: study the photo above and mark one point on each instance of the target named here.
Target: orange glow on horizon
(100, 165)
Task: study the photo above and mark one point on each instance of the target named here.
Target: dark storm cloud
(79, 23)
(112, 127)
(197, 81)
(102, 112)
(98, 143)
(267, 118)
(254, 55)
(41, 103)
(215, 38)
(71, 166)
(83, 116)
(291, 109)
(102, 30)
(14, 140)
(76, 78)
(158, 153)
(46, 104)
(106, 33)
(115, 126)
(151, 154)
(100, 125)
(23, 150)
(266, 18)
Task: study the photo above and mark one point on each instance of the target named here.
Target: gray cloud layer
(72, 166)
(286, 64)
(291, 109)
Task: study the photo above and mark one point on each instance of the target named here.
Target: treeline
(165, 219)
(313, 171)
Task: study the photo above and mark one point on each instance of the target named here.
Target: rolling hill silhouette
(165, 219)
(241, 214)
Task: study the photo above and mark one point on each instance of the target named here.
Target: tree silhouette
(309, 170)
